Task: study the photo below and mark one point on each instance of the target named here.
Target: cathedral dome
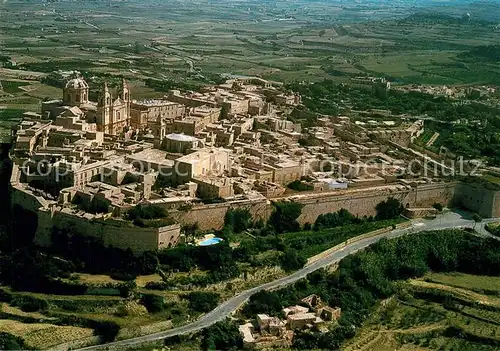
(77, 83)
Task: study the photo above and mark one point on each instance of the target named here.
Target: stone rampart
(358, 203)
(477, 198)
(27, 199)
(361, 202)
(212, 216)
(108, 231)
(426, 195)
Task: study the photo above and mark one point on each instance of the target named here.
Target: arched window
(126, 96)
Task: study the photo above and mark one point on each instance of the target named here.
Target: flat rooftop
(153, 156)
(154, 103)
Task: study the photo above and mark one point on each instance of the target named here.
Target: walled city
(85, 165)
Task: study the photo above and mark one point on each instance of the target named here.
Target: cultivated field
(43, 336)
(438, 312)
(192, 42)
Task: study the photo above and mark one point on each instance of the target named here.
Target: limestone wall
(27, 199)
(426, 195)
(212, 216)
(478, 199)
(43, 234)
(110, 232)
(113, 234)
(134, 238)
(361, 202)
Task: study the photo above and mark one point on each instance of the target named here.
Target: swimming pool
(210, 242)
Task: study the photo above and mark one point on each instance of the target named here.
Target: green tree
(335, 219)
(298, 185)
(107, 330)
(222, 336)
(292, 260)
(438, 206)
(389, 209)
(153, 303)
(284, 217)
(11, 342)
(263, 302)
(146, 212)
(202, 301)
(149, 263)
(190, 230)
(127, 289)
(240, 219)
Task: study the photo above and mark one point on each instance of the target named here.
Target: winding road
(445, 221)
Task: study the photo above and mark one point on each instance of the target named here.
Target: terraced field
(437, 312)
(42, 335)
(44, 321)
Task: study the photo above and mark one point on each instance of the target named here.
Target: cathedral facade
(113, 115)
(110, 115)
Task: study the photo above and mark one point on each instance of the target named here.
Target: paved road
(449, 220)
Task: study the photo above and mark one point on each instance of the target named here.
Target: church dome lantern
(76, 92)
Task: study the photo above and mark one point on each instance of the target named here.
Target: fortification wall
(426, 195)
(112, 234)
(43, 234)
(122, 237)
(212, 216)
(26, 199)
(478, 199)
(361, 203)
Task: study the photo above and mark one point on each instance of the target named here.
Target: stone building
(203, 163)
(301, 320)
(198, 118)
(113, 116)
(58, 172)
(142, 112)
(180, 143)
(76, 111)
(29, 134)
(76, 93)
